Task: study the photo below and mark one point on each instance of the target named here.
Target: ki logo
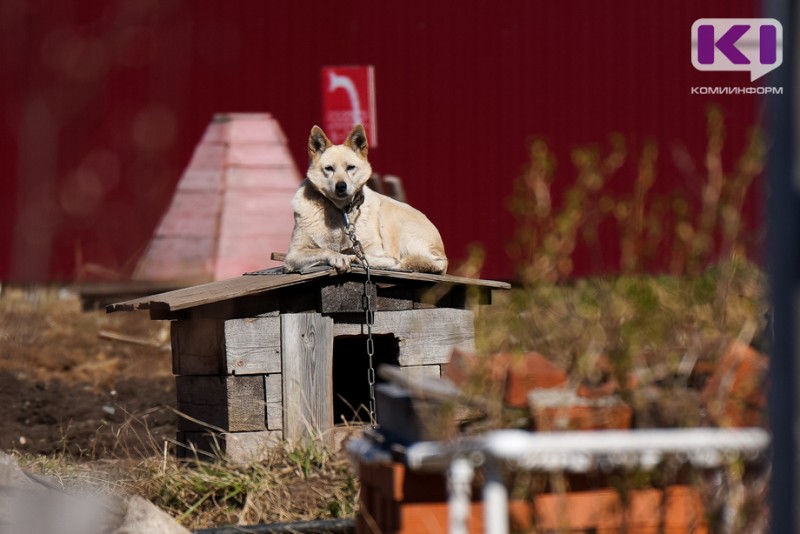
(754, 45)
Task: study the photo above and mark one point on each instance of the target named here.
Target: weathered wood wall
(259, 380)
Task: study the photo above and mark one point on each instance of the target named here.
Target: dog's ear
(318, 142)
(357, 141)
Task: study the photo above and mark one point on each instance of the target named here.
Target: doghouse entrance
(350, 365)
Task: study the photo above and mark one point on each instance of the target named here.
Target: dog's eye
(328, 168)
(351, 168)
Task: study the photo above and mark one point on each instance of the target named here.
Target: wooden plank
(273, 385)
(347, 296)
(439, 278)
(253, 345)
(246, 403)
(240, 447)
(197, 347)
(231, 403)
(307, 341)
(263, 305)
(422, 373)
(344, 296)
(249, 447)
(425, 337)
(98, 295)
(203, 400)
(216, 291)
(257, 284)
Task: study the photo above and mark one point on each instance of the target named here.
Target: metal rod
(495, 498)
(459, 488)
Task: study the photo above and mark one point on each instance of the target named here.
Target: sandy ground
(66, 389)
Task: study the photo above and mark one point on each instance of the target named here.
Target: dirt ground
(66, 387)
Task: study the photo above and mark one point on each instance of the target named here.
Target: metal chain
(369, 312)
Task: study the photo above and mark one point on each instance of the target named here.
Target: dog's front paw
(341, 262)
(383, 262)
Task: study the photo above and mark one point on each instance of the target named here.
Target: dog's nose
(341, 188)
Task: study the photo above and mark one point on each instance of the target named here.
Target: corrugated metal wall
(103, 102)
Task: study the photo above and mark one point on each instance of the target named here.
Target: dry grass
(287, 485)
(652, 329)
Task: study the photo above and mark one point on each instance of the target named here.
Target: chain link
(369, 311)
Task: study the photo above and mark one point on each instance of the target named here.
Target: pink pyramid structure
(232, 206)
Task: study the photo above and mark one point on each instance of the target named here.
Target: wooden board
(240, 447)
(307, 341)
(425, 337)
(198, 347)
(258, 284)
(273, 385)
(98, 295)
(214, 292)
(345, 296)
(253, 346)
(247, 447)
(234, 347)
(230, 403)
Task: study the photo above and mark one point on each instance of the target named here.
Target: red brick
(528, 372)
(394, 500)
(565, 410)
(470, 371)
(514, 375)
(678, 511)
(734, 395)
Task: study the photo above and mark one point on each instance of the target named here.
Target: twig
(115, 336)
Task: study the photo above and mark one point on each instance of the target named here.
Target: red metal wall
(103, 102)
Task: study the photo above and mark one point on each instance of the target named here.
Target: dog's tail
(424, 264)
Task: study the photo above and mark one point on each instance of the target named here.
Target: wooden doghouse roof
(273, 291)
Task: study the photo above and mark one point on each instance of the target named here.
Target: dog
(392, 234)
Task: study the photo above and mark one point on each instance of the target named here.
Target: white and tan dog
(393, 235)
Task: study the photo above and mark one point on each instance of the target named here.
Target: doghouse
(271, 356)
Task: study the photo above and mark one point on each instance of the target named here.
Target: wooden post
(307, 357)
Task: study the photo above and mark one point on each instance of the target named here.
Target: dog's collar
(358, 199)
(353, 206)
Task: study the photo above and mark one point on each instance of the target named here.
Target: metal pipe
(459, 489)
(576, 452)
(495, 498)
(582, 451)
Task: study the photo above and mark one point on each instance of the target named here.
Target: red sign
(348, 98)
